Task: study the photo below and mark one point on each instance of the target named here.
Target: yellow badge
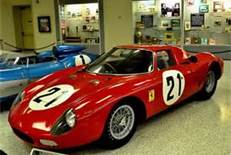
(151, 95)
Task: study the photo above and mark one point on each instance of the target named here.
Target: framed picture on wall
(228, 21)
(204, 8)
(169, 36)
(175, 22)
(218, 6)
(176, 9)
(147, 20)
(44, 24)
(166, 23)
(164, 9)
(197, 19)
(170, 10)
(187, 25)
(203, 1)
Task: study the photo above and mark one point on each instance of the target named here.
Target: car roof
(179, 53)
(152, 48)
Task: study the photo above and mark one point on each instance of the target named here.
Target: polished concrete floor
(197, 127)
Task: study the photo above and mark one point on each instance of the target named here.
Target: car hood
(84, 86)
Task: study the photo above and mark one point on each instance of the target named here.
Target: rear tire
(120, 126)
(209, 86)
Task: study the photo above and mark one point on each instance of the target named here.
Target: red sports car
(104, 101)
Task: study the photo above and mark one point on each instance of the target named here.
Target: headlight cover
(66, 122)
(70, 118)
(19, 98)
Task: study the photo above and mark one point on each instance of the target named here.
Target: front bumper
(83, 133)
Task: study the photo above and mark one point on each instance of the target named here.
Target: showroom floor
(197, 127)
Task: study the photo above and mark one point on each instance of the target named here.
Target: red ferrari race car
(104, 101)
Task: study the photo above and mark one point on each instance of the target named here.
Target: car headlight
(70, 118)
(19, 98)
(66, 122)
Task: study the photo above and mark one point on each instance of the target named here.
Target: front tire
(120, 126)
(209, 86)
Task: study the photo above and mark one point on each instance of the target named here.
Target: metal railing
(29, 49)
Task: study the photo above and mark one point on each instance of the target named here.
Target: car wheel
(120, 127)
(209, 86)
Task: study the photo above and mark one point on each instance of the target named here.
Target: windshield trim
(131, 74)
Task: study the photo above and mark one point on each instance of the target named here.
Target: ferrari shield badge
(151, 95)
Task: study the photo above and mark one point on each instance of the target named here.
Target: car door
(173, 81)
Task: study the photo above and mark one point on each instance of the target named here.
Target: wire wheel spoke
(122, 122)
(210, 82)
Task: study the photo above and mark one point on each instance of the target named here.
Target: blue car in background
(18, 71)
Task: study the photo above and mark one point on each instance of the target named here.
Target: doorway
(23, 21)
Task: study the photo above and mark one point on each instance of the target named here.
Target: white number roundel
(173, 86)
(82, 59)
(51, 97)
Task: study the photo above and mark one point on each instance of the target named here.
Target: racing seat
(162, 64)
(55, 51)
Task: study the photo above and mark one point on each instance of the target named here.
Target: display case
(208, 22)
(178, 22)
(80, 23)
(157, 22)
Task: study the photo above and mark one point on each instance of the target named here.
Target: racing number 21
(50, 92)
(173, 86)
(171, 83)
(51, 97)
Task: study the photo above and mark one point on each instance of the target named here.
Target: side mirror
(189, 60)
(193, 59)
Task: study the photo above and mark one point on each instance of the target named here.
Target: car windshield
(17, 61)
(8, 61)
(123, 61)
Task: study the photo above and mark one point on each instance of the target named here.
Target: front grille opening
(23, 136)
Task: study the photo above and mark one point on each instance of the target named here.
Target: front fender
(94, 116)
